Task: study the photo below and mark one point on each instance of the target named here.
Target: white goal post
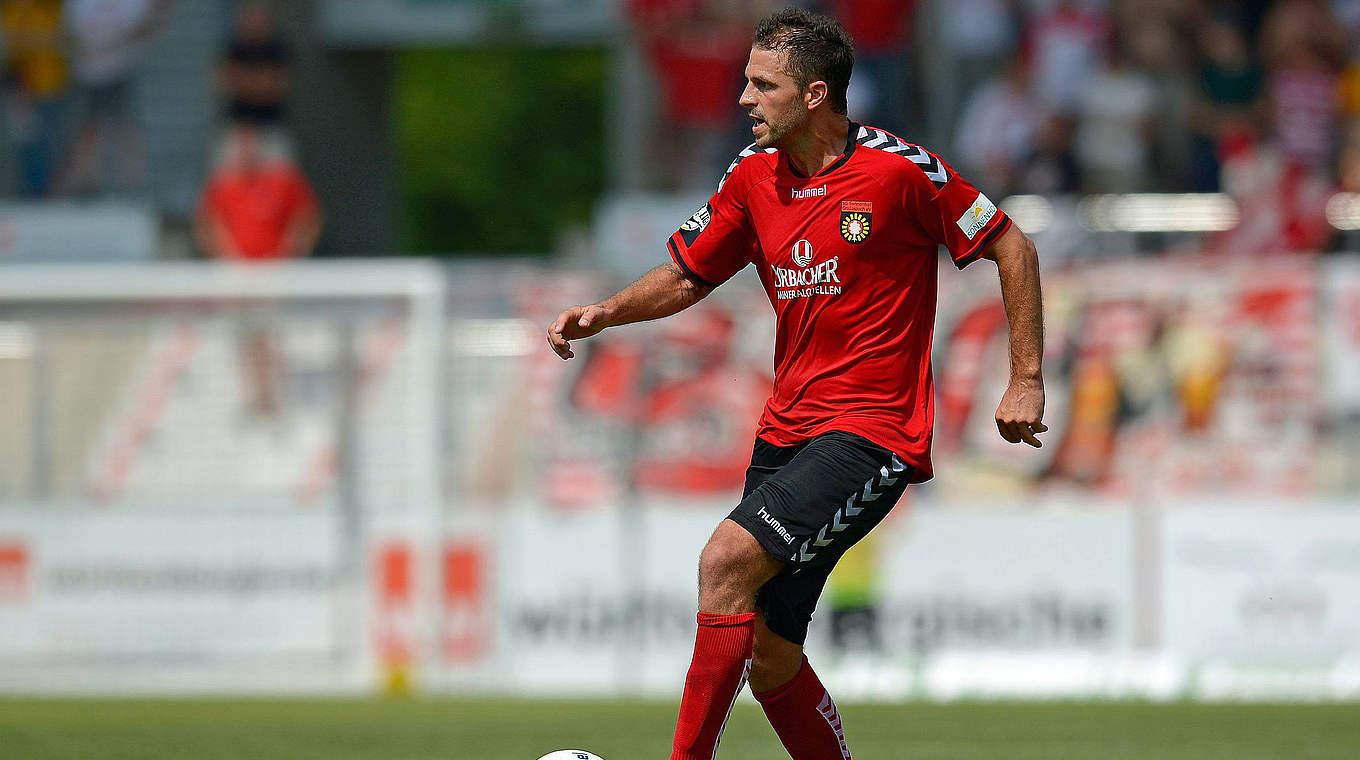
(201, 465)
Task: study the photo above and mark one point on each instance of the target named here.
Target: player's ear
(815, 94)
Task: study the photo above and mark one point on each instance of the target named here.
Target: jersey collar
(838, 163)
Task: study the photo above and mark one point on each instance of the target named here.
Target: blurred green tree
(501, 149)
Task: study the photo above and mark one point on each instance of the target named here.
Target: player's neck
(819, 144)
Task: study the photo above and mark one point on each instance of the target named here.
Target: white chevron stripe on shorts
(871, 492)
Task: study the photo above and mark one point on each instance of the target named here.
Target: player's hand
(576, 322)
(1019, 416)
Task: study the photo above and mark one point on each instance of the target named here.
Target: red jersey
(849, 260)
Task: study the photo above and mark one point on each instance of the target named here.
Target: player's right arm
(661, 292)
(711, 246)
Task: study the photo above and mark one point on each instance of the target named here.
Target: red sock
(721, 664)
(805, 717)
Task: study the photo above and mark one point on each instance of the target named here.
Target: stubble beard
(775, 132)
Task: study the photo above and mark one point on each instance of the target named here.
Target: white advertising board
(1009, 580)
(1264, 600)
(1004, 602)
(589, 603)
(126, 600)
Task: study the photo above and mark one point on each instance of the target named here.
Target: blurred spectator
(1052, 168)
(1348, 162)
(1066, 44)
(1160, 38)
(1228, 103)
(698, 50)
(976, 38)
(1281, 203)
(253, 75)
(36, 78)
(1303, 48)
(1348, 98)
(1158, 35)
(1246, 15)
(257, 205)
(881, 89)
(1347, 13)
(109, 39)
(1348, 94)
(997, 130)
(1116, 123)
(254, 72)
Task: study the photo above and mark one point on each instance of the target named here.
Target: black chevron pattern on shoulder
(749, 150)
(870, 137)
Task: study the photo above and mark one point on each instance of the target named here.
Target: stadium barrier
(327, 477)
(1194, 600)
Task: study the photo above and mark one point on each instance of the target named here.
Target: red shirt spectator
(1304, 50)
(258, 204)
(876, 25)
(698, 55)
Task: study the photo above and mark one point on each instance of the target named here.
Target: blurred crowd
(1056, 96)
(68, 74)
(1256, 98)
(69, 86)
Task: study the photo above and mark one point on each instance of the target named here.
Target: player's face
(772, 98)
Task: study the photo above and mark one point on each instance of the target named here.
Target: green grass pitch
(434, 729)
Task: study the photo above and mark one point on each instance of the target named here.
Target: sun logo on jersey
(856, 220)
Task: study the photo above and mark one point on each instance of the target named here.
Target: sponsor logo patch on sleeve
(695, 224)
(977, 216)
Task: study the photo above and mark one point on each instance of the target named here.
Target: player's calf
(774, 659)
(805, 717)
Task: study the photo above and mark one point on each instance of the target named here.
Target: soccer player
(843, 223)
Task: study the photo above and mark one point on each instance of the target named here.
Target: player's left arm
(1019, 416)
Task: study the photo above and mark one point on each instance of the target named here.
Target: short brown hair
(816, 48)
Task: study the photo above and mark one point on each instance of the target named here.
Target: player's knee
(726, 563)
(718, 562)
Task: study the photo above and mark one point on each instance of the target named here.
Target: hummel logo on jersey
(977, 216)
(809, 192)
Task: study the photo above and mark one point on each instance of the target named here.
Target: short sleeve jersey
(848, 259)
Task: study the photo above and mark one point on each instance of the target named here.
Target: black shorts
(808, 503)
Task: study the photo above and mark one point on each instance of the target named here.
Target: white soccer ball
(571, 754)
